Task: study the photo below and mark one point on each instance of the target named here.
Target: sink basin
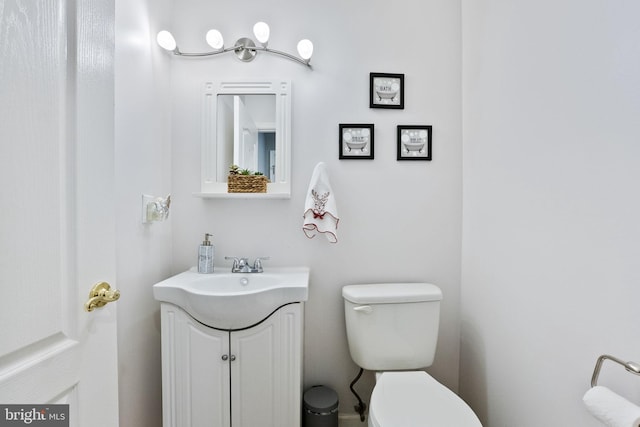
(226, 300)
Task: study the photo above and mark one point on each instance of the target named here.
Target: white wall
(143, 166)
(400, 221)
(551, 208)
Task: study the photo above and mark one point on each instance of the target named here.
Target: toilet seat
(415, 399)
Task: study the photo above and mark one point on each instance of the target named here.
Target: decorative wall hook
(244, 48)
(155, 208)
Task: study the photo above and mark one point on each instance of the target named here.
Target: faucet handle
(257, 264)
(236, 262)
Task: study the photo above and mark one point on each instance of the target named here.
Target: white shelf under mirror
(243, 195)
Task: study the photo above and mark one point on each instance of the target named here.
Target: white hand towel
(610, 408)
(320, 210)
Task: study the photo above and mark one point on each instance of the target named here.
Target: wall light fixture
(244, 48)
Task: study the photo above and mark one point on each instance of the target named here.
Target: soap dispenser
(205, 255)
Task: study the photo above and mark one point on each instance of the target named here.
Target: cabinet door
(195, 378)
(267, 371)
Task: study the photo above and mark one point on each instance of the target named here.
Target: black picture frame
(386, 90)
(414, 142)
(356, 141)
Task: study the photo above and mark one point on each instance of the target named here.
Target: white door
(272, 165)
(56, 210)
(245, 137)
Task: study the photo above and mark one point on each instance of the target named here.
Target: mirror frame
(210, 186)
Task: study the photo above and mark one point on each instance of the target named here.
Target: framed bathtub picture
(386, 90)
(414, 142)
(356, 141)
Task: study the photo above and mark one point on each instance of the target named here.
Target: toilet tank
(392, 326)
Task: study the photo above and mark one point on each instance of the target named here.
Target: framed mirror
(246, 123)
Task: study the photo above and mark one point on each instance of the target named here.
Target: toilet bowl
(392, 328)
(415, 399)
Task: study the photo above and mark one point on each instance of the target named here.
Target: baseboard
(351, 420)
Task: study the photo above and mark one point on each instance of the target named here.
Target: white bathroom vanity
(246, 373)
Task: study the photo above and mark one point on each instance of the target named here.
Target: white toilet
(392, 328)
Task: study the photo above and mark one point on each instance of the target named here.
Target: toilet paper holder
(632, 367)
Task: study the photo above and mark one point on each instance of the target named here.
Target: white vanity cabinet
(241, 378)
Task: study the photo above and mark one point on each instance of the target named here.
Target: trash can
(320, 407)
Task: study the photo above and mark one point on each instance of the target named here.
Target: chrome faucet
(241, 265)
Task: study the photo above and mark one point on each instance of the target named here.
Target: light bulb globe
(305, 49)
(261, 31)
(166, 41)
(215, 39)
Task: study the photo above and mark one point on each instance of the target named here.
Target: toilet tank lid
(388, 293)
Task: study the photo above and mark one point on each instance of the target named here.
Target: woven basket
(247, 184)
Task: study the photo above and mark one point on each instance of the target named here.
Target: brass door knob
(100, 295)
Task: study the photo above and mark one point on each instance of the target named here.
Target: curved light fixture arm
(177, 52)
(239, 48)
(281, 53)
